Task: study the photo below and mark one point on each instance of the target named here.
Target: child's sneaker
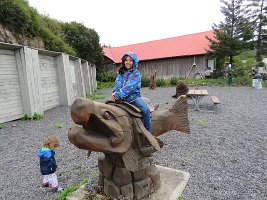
(45, 184)
(56, 189)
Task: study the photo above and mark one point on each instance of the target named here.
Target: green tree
(232, 35)
(85, 41)
(258, 16)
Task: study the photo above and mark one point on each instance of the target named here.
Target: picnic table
(196, 96)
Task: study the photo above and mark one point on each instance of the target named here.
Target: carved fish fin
(130, 159)
(180, 108)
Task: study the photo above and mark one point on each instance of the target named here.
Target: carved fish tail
(180, 108)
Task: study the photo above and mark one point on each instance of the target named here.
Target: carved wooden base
(120, 183)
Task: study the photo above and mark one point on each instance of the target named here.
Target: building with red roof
(170, 57)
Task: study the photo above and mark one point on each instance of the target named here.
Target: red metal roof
(186, 45)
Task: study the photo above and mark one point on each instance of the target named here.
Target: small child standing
(48, 163)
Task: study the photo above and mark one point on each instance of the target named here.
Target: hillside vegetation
(73, 38)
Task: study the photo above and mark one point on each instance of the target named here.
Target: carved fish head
(105, 128)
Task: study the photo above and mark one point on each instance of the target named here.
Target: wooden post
(153, 79)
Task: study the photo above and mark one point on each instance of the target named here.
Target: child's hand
(114, 97)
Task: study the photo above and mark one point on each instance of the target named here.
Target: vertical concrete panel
(90, 70)
(86, 78)
(11, 104)
(64, 79)
(29, 73)
(79, 78)
(94, 78)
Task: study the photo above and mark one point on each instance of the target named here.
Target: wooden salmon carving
(113, 128)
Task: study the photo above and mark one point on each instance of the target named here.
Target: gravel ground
(226, 152)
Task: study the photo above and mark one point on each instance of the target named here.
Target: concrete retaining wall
(34, 80)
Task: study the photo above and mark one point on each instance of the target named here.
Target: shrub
(244, 62)
(37, 116)
(26, 117)
(19, 17)
(161, 82)
(174, 80)
(108, 76)
(145, 81)
(245, 80)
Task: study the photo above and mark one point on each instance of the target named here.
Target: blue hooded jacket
(128, 85)
(48, 163)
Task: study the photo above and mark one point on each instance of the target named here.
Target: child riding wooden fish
(109, 127)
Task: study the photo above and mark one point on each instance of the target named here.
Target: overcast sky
(124, 22)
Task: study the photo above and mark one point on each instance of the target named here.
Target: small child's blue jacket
(48, 163)
(128, 85)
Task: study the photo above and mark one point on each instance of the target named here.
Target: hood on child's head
(134, 58)
(45, 152)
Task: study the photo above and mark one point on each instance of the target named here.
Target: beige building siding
(11, 105)
(168, 67)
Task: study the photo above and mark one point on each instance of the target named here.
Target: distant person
(254, 72)
(48, 165)
(257, 81)
(230, 74)
(128, 84)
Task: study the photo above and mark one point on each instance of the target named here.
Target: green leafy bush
(161, 82)
(26, 117)
(106, 76)
(174, 80)
(244, 62)
(19, 17)
(244, 80)
(145, 81)
(36, 116)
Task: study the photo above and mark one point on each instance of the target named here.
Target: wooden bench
(215, 100)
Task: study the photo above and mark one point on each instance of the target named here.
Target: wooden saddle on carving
(144, 141)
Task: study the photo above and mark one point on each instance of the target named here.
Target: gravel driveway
(226, 152)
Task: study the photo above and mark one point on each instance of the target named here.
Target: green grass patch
(2, 126)
(102, 85)
(59, 125)
(201, 121)
(180, 198)
(69, 190)
(96, 95)
(36, 116)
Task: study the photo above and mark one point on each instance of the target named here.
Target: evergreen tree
(232, 35)
(258, 16)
